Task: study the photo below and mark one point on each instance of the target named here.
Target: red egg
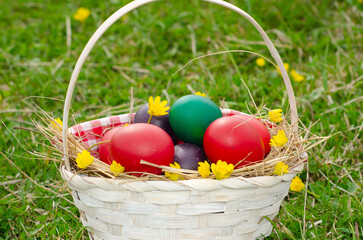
(232, 139)
(261, 129)
(104, 147)
(141, 141)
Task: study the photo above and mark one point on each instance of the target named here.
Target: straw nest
(290, 153)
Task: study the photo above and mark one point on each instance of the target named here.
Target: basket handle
(137, 3)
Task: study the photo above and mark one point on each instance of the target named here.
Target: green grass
(320, 39)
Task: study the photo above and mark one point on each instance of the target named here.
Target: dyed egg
(142, 116)
(232, 139)
(188, 155)
(261, 129)
(141, 141)
(191, 115)
(103, 150)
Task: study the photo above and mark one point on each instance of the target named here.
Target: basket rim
(197, 183)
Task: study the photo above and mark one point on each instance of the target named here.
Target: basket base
(95, 235)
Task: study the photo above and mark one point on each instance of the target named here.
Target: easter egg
(142, 116)
(191, 115)
(188, 155)
(103, 150)
(141, 141)
(261, 129)
(233, 139)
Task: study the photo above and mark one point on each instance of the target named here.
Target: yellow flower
(281, 169)
(200, 94)
(173, 176)
(157, 108)
(286, 65)
(275, 115)
(84, 159)
(82, 14)
(116, 168)
(204, 169)
(57, 124)
(296, 184)
(222, 170)
(260, 62)
(296, 76)
(279, 140)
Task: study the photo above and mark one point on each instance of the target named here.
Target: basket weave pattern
(191, 209)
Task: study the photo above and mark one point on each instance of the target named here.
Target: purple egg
(142, 116)
(188, 155)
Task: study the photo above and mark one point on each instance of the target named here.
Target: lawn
(322, 40)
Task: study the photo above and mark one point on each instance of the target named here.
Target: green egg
(191, 115)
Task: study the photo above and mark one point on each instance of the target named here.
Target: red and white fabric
(91, 132)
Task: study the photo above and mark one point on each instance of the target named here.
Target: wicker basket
(233, 208)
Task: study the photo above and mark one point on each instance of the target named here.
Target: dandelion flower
(57, 124)
(204, 169)
(222, 170)
(260, 62)
(296, 184)
(281, 169)
(173, 176)
(84, 159)
(296, 77)
(286, 65)
(157, 108)
(82, 14)
(275, 115)
(200, 94)
(116, 168)
(279, 140)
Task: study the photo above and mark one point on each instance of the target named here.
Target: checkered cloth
(92, 132)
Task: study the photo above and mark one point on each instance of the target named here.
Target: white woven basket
(232, 208)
